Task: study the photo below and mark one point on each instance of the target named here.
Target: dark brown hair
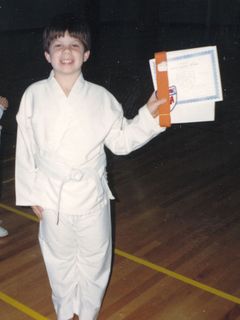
(76, 26)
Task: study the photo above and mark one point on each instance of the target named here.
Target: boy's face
(67, 55)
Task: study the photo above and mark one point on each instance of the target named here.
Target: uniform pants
(77, 253)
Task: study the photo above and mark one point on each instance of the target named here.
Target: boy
(64, 122)
(3, 107)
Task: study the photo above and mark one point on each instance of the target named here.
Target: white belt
(64, 173)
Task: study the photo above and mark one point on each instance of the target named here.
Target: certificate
(194, 83)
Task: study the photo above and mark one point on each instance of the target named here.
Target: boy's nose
(66, 48)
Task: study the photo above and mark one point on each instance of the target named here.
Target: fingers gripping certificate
(194, 83)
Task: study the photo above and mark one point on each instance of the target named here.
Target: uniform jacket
(71, 132)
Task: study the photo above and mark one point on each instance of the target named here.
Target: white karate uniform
(61, 166)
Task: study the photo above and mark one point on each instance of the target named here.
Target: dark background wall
(15, 14)
(171, 11)
(126, 34)
(27, 14)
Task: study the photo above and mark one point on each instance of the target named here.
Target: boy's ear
(47, 56)
(86, 55)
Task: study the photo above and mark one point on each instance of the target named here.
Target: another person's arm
(3, 103)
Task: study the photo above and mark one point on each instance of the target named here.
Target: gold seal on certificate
(194, 83)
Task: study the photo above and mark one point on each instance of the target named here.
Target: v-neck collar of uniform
(57, 88)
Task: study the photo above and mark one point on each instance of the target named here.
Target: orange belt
(163, 88)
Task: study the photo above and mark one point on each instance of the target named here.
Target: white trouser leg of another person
(77, 254)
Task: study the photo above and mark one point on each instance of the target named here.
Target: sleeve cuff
(153, 121)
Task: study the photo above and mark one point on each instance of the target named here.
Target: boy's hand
(4, 102)
(153, 104)
(38, 211)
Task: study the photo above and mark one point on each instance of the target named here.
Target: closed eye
(57, 45)
(75, 45)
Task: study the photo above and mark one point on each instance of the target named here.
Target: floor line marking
(19, 212)
(150, 265)
(178, 276)
(8, 180)
(21, 307)
(7, 160)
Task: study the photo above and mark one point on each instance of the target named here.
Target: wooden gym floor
(176, 223)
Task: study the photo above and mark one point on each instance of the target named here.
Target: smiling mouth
(66, 61)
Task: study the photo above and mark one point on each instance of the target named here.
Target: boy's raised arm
(126, 135)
